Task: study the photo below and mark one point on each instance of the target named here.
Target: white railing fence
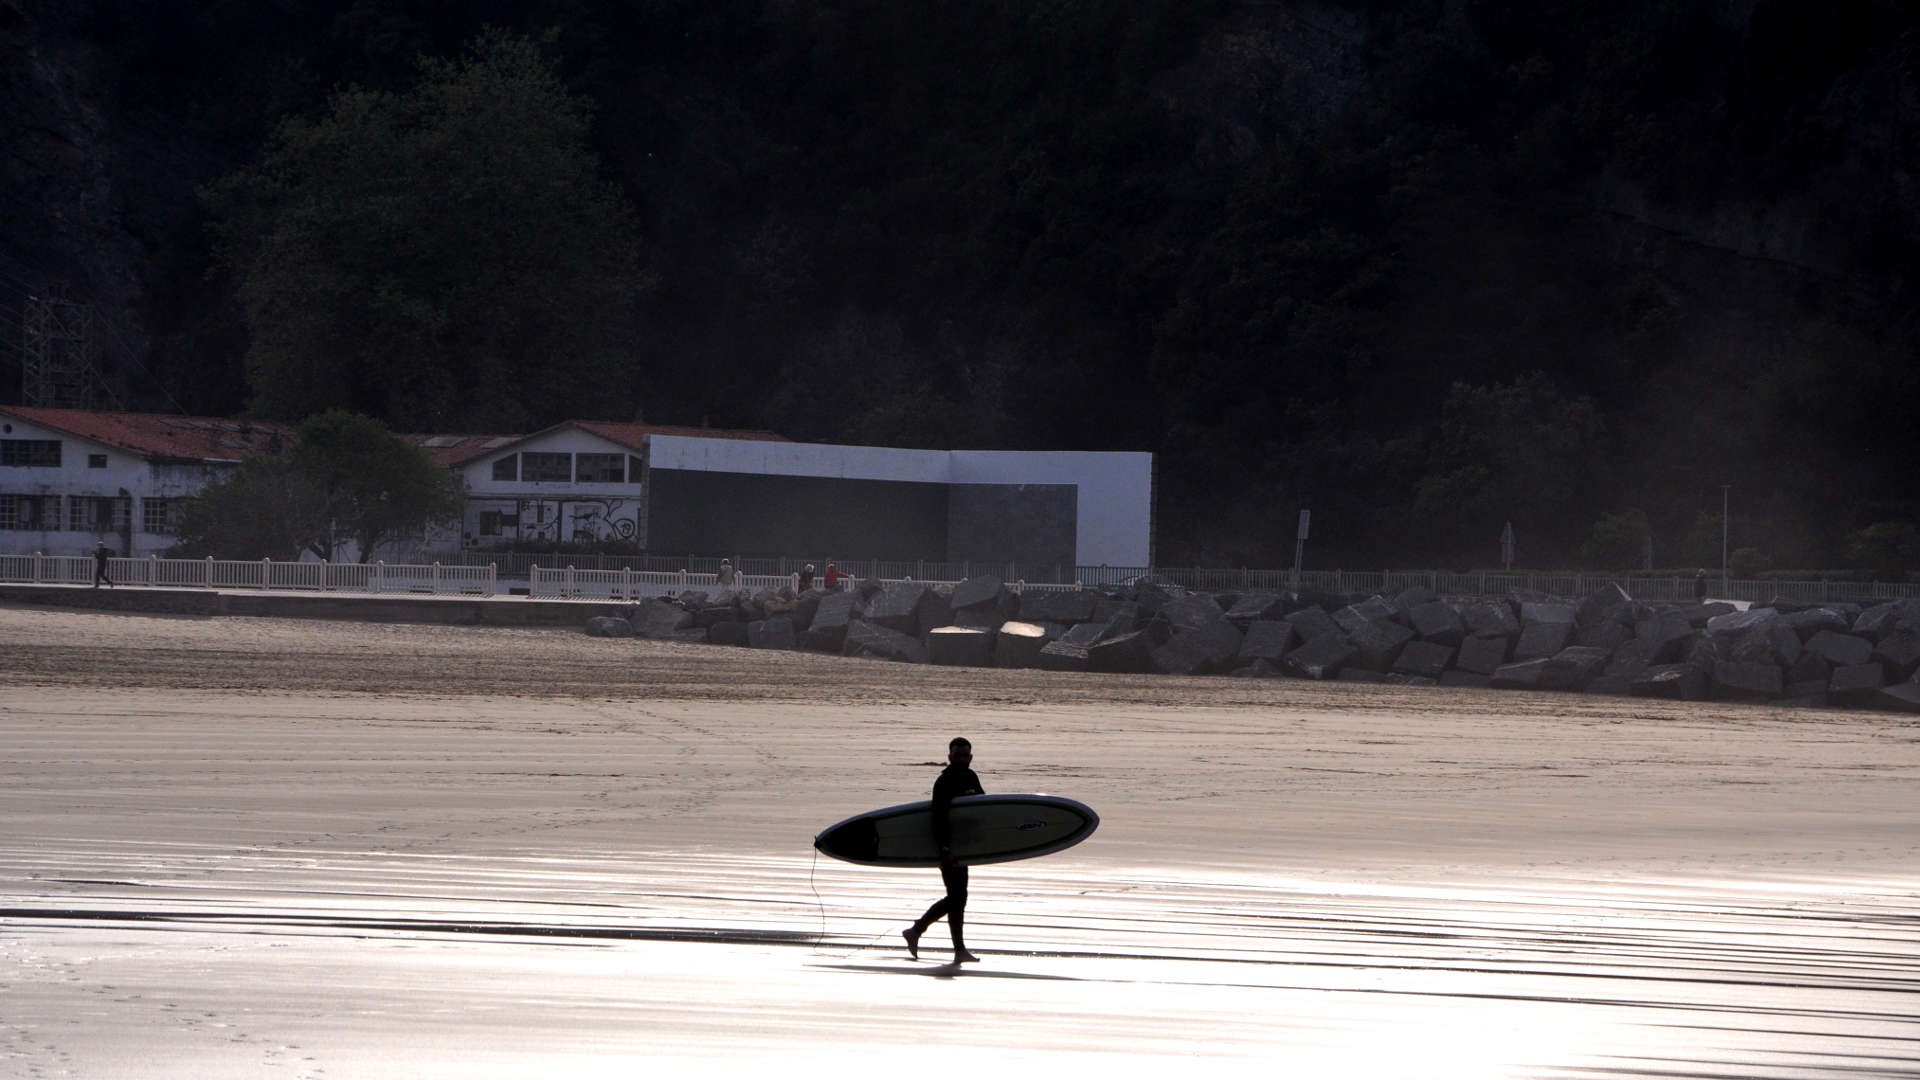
(264, 574)
(570, 582)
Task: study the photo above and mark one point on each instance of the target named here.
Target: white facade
(94, 492)
(1114, 518)
(564, 485)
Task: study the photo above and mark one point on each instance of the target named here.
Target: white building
(70, 477)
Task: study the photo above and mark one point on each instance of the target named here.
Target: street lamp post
(1725, 587)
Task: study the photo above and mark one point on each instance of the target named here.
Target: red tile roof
(202, 438)
(455, 450)
(153, 435)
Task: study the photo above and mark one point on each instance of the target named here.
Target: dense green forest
(1424, 267)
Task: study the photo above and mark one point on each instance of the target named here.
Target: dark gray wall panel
(1013, 522)
(803, 516)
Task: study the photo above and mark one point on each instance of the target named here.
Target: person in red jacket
(835, 576)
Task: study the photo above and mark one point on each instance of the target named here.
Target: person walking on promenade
(955, 780)
(100, 557)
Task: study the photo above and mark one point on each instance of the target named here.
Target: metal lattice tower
(58, 363)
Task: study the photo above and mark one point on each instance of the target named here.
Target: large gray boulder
(1856, 685)
(1610, 603)
(1539, 640)
(831, 618)
(960, 646)
(773, 633)
(1193, 611)
(1841, 650)
(1256, 606)
(1312, 622)
(1900, 652)
(979, 617)
(1548, 611)
(1438, 622)
(1483, 655)
(1411, 597)
(730, 632)
(1901, 697)
(1085, 635)
(1736, 624)
(1490, 618)
(609, 626)
(1018, 645)
(1811, 621)
(1130, 653)
(1320, 658)
(804, 608)
(661, 620)
(882, 643)
(1521, 674)
(935, 611)
(1428, 659)
(980, 591)
(1573, 668)
(1377, 645)
(1668, 632)
(1882, 619)
(897, 606)
(1355, 618)
(1678, 682)
(1201, 651)
(1772, 642)
(1267, 639)
(1060, 656)
(1062, 606)
(1605, 634)
(1734, 680)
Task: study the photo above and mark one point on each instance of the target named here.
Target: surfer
(955, 780)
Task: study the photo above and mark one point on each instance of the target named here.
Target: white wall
(1115, 489)
(1114, 517)
(73, 477)
(568, 510)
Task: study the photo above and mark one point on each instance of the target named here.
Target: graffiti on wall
(555, 519)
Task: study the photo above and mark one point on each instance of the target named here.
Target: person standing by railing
(806, 578)
(727, 577)
(835, 576)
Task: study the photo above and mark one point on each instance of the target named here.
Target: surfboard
(986, 829)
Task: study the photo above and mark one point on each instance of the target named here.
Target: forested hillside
(1424, 267)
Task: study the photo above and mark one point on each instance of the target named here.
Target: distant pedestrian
(806, 577)
(727, 576)
(100, 557)
(835, 576)
(1700, 585)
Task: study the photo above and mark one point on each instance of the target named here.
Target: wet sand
(242, 847)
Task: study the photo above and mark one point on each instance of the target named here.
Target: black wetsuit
(953, 783)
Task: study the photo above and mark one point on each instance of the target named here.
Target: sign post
(1300, 545)
(1506, 546)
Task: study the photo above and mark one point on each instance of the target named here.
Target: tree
(347, 479)
(265, 508)
(374, 485)
(442, 258)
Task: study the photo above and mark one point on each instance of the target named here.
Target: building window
(497, 522)
(28, 513)
(156, 516)
(550, 467)
(602, 468)
(507, 468)
(635, 469)
(30, 453)
(95, 513)
(96, 461)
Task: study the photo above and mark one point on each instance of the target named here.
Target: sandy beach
(239, 847)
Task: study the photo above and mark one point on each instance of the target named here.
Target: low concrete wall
(444, 610)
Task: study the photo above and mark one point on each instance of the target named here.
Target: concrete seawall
(444, 610)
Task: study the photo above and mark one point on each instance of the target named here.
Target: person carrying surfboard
(955, 780)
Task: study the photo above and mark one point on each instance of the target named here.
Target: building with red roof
(70, 478)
